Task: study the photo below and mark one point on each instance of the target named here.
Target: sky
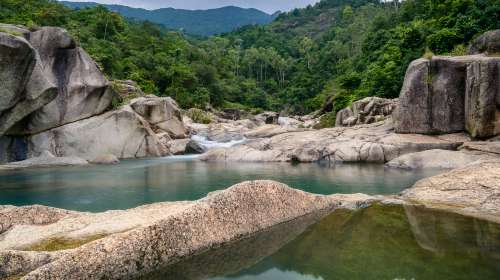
(269, 6)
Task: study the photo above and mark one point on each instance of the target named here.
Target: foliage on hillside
(347, 48)
(199, 22)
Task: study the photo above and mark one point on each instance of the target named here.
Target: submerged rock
(149, 237)
(473, 190)
(106, 159)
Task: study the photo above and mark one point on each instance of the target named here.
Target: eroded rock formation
(450, 94)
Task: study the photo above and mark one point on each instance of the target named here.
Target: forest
(340, 49)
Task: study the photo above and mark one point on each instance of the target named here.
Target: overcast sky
(269, 6)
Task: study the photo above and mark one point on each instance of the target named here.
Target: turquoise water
(137, 182)
(380, 242)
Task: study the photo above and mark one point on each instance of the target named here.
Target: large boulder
(472, 190)
(488, 42)
(24, 86)
(161, 113)
(83, 91)
(122, 133)
(449, 94)
(218, 219)
(482, 98)
(366, 111)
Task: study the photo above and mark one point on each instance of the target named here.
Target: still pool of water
(138, 182)
(379, 242)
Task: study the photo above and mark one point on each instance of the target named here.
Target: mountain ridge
(197, 22)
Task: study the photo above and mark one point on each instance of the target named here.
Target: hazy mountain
(198, 22)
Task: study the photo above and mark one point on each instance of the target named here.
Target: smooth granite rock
(122, 133)
(472, 190)
(83, 91)
(437, 159)
(221, 218)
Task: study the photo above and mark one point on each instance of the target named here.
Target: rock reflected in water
(379, 242)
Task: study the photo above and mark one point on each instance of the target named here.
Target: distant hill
(197, 22)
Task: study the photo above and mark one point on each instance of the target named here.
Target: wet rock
(436, 159)
(193, 147)
(46, 159)
(489, 43)
(472, 190)
(178, 146)
(106, 159)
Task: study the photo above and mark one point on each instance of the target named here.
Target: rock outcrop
(83, 91)
(363, 143)
(122, 133)
(472, 190)
(450, 94)
(25, 88)
(488, 42)
(149, 237)
(366, 111)
(162, 113)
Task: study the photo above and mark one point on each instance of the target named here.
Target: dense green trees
(346, 48)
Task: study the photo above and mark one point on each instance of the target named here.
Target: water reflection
(380, 242)
(138, 182)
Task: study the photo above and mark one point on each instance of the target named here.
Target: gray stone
(481, 98)
(472, 190)
(489, 43)
(106, 159)
(436, 159)
(83, 91)
(122, 133)
(363, 143)
(193, 147)
(162, 113)
(432, 99)
(413, 113)
(46, 159)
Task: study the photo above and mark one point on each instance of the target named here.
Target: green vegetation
(348, 49)
(200, 22)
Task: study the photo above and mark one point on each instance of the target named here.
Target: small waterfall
(203, 141)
